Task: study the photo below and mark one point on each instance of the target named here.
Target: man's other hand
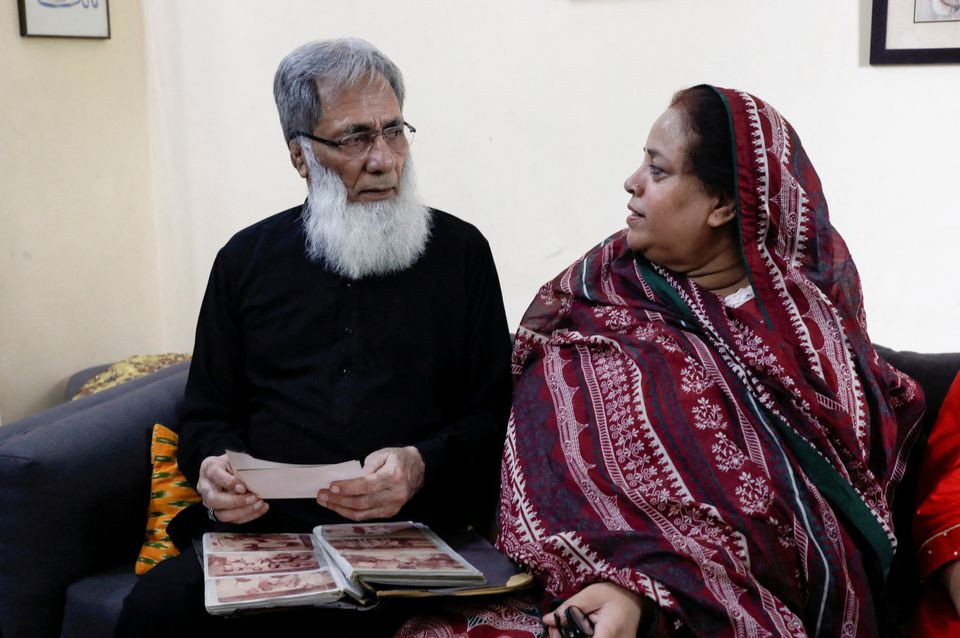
(226, 496)
(391, 477)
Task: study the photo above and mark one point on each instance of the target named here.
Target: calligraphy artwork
(64, 18)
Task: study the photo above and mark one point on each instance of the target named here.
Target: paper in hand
(268, 479)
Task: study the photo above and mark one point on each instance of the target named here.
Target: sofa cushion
(135, 367)
(78, 379)
(934, 372)
(94, 602)
(65, 411)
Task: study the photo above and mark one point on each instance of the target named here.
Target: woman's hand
(613, 610)
(950, 577)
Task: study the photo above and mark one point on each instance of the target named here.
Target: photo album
(349, 565)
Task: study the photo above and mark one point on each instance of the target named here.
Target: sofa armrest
(74, 483)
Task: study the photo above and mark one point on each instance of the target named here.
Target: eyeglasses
(358, 144)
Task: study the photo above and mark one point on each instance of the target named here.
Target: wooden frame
(919, 31)
(64, 18)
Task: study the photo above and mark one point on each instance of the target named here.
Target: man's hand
(391, 477)
(226, 495)
(613, 610)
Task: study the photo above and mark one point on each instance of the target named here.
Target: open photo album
(348, 565)
(395, 554)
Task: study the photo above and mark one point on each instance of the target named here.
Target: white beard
(360, 239)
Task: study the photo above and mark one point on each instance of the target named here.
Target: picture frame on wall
(64, 18)
(915, 32)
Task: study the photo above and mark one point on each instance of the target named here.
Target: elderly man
(361, 324)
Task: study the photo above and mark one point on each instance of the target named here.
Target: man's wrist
(417, 468)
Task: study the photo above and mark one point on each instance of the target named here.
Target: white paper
(268, 479)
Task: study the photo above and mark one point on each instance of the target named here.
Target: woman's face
(673, 221)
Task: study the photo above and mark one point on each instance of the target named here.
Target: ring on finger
(212, 515)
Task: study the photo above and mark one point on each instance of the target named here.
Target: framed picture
(915, 31)
(64, 18)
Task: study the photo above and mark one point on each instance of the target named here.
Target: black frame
(880, 54)
(23, 25)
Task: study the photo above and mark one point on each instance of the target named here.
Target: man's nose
(380, 157)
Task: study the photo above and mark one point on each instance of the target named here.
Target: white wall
(78, 270)
(532, 112)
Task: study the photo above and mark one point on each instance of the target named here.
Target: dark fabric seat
(74, 487)
(934, 373)
(93, 602)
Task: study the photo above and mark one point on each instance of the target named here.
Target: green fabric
(836, 489)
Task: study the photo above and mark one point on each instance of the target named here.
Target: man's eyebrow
(652, 152)
(356, 128)
(363, 128)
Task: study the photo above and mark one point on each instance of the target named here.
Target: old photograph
(401, 560)
(271, 586)
(258, 542)
(405, 528)
(384, 542)
(232, 564)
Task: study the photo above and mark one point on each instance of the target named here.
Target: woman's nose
(634, 182)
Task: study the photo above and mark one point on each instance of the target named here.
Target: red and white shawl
(734, 465)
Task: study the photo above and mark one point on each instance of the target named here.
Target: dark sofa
(74, 486)
(74, 483)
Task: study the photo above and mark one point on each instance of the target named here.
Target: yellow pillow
(169, 493)
(138, 365)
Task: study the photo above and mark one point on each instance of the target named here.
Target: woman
(936, 526)
(703, 440)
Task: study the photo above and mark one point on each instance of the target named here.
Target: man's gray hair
(341, 63)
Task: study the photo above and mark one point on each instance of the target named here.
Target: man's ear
(723, 211)
(297, 159)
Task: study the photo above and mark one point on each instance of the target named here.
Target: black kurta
(296, 364)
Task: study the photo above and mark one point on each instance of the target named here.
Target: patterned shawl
(736, 467)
